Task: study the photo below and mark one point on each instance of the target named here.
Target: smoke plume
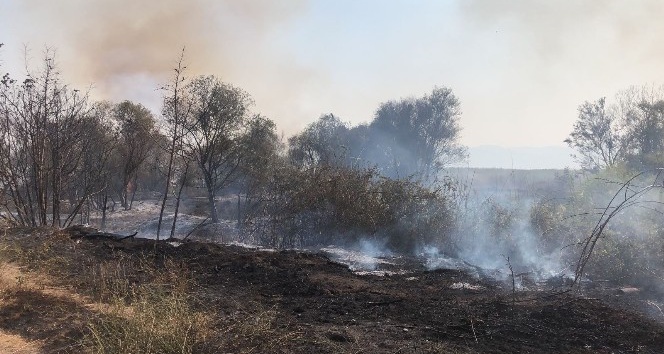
(127, 49)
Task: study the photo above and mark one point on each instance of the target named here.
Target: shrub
(331, 204)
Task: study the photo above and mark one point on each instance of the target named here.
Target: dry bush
(331, 204)
(629, 248)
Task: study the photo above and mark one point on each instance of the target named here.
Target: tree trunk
(177, 199)
(209, 185)
(103, 212)
(133, 193)
(174, 140)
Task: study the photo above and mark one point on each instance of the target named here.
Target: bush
(331, 204)
(630, 249)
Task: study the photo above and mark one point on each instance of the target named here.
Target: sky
(520, 68)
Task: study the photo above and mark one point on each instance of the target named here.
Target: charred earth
(304, 302)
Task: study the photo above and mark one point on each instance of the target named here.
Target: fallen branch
(195, 228)
(80, 231)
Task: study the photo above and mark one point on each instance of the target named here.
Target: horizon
(519, 158)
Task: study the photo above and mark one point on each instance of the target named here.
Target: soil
(320, 306)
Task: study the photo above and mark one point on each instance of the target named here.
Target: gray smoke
(127, 49)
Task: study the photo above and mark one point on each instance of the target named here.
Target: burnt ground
(317, 305)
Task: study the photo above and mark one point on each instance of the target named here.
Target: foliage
(321, 143)
(646, 129)
(418, 135)
(214, 132)
(136, 140)
(413, 137)
(630, 130)
(314, 206)
(595, 137)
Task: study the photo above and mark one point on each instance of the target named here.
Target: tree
(630, 130)
(136, 141)
(46, 133)
(260, 160)
(417, 136)
(214, 132)
(646, 135)
(175, 110)
(97, 171)
(596, 137)
(322, 142)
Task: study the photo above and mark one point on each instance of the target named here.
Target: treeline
(64, 157)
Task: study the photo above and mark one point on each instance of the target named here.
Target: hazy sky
(520, 68)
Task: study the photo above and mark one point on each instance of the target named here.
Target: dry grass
(157, 316)
(255, 332)
(60, 295)
(156, 321)
(129, 316)
(135, 304)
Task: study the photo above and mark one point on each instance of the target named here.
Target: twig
(630, 197)
(509, 264)
(657, 306)
(472, 326)
(195, 228)
(381, 303)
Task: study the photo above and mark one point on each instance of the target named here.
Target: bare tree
(44, 140)
(175, 111)
(93, 179)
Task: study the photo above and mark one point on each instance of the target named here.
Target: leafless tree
(175, 110)
(44, 140)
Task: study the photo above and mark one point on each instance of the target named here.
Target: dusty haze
(127, 49)
(519, 68)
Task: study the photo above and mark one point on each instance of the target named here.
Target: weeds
(146, 317)
(157, 321)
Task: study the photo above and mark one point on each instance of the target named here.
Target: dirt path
(37, 315)
(11, 277)
(13, 344)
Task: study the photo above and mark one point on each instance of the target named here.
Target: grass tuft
(156, 317)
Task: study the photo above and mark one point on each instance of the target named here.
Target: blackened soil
(319, 306)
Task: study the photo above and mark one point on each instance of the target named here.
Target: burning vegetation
(376, 244)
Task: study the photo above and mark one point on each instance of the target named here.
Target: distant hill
(528, 158)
